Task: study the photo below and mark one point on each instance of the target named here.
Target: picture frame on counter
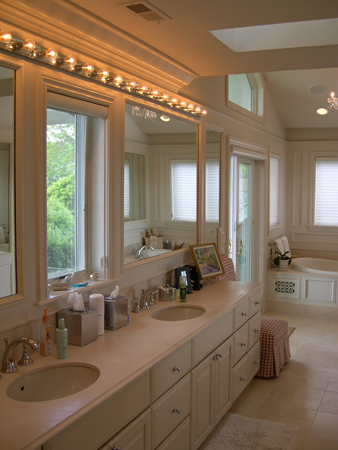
(207, 260)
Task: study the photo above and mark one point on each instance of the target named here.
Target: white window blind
(274, 166)
(326, 203)
(126, 189)
(212, 191)
(183, 190)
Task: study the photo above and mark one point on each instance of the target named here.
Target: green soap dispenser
(61, 339)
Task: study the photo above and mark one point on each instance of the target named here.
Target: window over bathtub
(276, 193)
(75, 149)
(326, 192)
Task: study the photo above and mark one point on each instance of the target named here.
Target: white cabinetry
(135, 436)
(210, 392)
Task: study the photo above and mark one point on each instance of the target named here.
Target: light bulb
(5, 37)
(118, 79)
(70, 61)
(28, 45)
(88, 69)
(51, 54)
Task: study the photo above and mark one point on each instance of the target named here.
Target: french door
(241, 216)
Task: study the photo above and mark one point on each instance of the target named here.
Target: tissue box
(81, 325)
(115, 312)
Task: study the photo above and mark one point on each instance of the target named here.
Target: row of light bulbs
(50, 56)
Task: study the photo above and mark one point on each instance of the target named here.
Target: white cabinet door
(239, 377)
(202, 400)
(135, 436)
(179, 438)
(222, 379)
(210, 392)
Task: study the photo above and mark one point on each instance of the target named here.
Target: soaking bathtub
(308, 281)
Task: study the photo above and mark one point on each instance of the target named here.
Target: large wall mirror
(160, 183)
(7, 225)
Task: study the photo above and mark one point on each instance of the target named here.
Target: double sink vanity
(162, 382)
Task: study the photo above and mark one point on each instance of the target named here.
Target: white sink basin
(178, 312)
(53, 382)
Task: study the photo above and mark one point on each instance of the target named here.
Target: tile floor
(306, 391)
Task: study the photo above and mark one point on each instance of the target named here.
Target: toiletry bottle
(46, 344)
(183, 288)
(62, 339)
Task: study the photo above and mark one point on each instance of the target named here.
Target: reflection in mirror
(165, 149)
(212, 185)
(134, 187)
(7, 226)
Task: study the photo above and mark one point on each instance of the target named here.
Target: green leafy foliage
(280, 256)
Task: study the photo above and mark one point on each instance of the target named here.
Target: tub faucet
(139, 255)
(8, 365)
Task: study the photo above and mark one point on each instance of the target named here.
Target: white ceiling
(185, 35)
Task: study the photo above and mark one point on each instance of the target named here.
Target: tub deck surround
(121, 356)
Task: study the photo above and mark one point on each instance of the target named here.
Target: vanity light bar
(29, 49)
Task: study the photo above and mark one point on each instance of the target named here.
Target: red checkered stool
(274, 347)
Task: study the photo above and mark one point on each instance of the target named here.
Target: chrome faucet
(8, 365)
(144, 304)
(139, 255)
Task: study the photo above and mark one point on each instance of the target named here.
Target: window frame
(317, 159)
(257, 98)
(103, 240)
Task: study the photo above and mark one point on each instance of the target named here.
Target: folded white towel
(2, 236)
(279, 244)
(286, 245)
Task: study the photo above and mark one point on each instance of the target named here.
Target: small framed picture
(207, 260)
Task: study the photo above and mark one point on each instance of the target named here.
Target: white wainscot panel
(320, 290)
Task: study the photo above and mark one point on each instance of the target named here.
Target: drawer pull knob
(257, 303)
(177, 369)
(243, 344)
(218, 356)
(112, 447)
(242, 379)
(244, 314)
(176, 410)
(256, 362)
(257, 331)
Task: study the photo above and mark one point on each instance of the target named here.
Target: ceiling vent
(146, 10)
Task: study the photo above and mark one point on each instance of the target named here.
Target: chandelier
(332, 101)
(143, 112)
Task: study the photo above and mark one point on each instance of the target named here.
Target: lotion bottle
(183, 289)
(61, 339)
(46, 344)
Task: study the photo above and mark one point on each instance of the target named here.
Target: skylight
(312, 33)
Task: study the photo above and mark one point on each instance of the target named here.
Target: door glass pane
(244, 222)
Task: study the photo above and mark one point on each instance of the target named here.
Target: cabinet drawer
(135, 436)
(207, 340)
(167, 372)
(254, 329)
(239, 377)
(240, 343)
(241, 314)
(255, 302)
(179, 438)
(253, 360)
(170, 410)
(99, 425)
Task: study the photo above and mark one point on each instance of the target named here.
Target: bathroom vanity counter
(121, 356)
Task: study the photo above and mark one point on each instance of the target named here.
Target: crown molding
(69, 28)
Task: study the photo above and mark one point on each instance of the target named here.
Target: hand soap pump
(62, 339)
(183, 288)
(46, 344)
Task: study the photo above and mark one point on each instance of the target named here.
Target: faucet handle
(136, 308)
(25, 360)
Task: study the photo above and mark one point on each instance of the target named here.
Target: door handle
(240, 242)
